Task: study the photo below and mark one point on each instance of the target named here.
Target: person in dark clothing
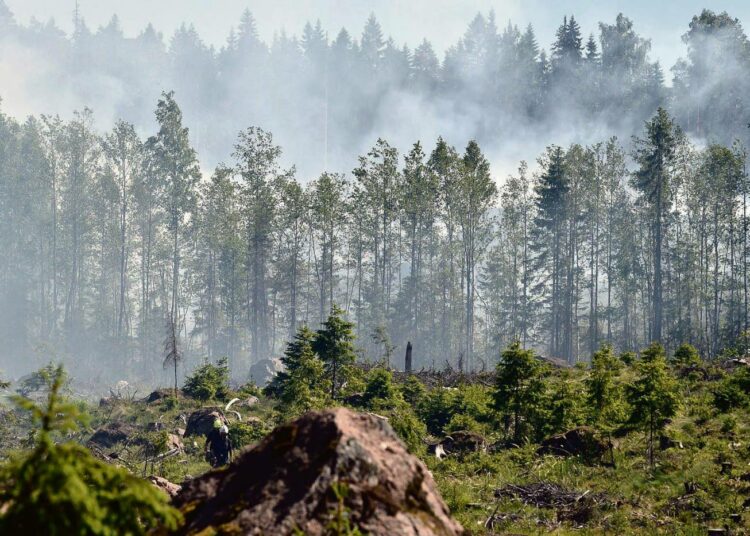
(219, 446)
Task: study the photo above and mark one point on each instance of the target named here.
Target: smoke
(120, 76)
(327, 97)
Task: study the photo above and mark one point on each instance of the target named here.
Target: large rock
(114, 433)
(581, 441)
(286, 484)
(264, 370)
(159, 395)
(201, 422)
(165, 485)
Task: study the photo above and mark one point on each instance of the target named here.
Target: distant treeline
(107, 239)
(329, 96)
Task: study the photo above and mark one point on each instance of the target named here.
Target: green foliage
(169, 403)
(563, 406)
(468, 407)
(653, 395)
(334, 344)
(380, 337)
(243, 433)
(519, 388)
(62, 489)
(356, 382)
(686, 355)
(409, 428)
(628, 358)
(471, 409)
(341, 524)
(436, 410)
(39, 381)
(302, 341)
(728, 425)
(209, 381)
(380, 392)
(249, 389)
(152, 443)
(413, 391)
(603, 391)
(733, 391)
(304, 386)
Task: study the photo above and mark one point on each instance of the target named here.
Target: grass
(684, 493)
(642, 495)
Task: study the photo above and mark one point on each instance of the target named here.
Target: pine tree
(592, 51)
(603, 393)
(372, 43)
(257, 165)
(476, 194)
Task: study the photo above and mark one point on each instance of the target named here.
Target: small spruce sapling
(334, 344)
(653, 395)
(519, 387)
(60, 488)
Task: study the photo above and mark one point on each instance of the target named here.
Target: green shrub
(686, 355)
(249, 389)
(209, 382)
(728, 425)
(628, 358)
(461, 421)
(61, 489)
(653, 395)
(243, 434)
(519, 389)
(436, 410)
(562, 406)
(409, 428)
(380, 392)
(728, 394)
(413, 391)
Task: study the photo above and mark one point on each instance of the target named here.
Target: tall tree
(476, 194)
(655, 155)
(176, 164)
(257, 164)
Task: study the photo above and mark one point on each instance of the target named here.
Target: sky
(440, 21)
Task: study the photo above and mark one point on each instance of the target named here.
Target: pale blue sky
(442, 22)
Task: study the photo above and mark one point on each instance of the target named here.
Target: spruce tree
(60, 488)
(653, 395)
(519, 388)
(334, 344)
(654, 154)
(303, 386)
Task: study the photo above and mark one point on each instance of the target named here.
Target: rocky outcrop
(581, 441)
(159, 395)
(114, 433)
(303, 473)
(264, 370)
(201, 422)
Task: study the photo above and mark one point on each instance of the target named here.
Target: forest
(113, 239)
(450, 348)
